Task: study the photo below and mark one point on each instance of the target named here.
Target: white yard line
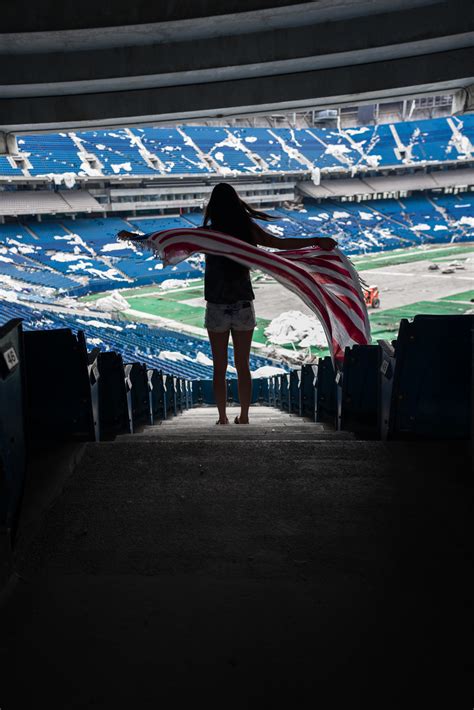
(402, 252)
(163, 293)
(417, 274)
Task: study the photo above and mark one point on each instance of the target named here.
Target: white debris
(366, 215)
(440, 227)
(63, 256)
(174, 355)
(267, 371)
(113, 302)
(203, 359)
(340, 215)
(168, 284)
(420, 228)
(117, 167)
(117, 247)
(468, 221)
(296, 327)
(100, 324)
(373, 160)
(275, 229)
(357, 131)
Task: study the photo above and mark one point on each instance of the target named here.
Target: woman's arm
(265, 239)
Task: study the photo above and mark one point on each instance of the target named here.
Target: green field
(407, 256)
(151, 300)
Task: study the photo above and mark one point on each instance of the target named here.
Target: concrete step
(247, 433)
(197, 435)
(249, 565)
(177, 423)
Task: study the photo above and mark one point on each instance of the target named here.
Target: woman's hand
(325, 243)
(123, 234)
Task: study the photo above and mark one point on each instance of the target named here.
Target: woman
(229, 295)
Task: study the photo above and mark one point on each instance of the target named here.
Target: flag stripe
(326, 281)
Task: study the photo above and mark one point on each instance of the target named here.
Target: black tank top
(226, 281)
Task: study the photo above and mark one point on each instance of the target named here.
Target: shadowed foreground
(299, 566)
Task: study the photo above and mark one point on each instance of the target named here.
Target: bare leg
(242, 340)
(219, 344)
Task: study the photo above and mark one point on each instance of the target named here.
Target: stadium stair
(266, 424)
(267, 561)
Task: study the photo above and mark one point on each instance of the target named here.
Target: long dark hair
(227, 212)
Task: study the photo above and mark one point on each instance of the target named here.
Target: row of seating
(180, 150)
(417, 387)
(59, 392)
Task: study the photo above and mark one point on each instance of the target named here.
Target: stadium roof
(93, 63)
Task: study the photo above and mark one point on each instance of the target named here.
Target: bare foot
(240, 420)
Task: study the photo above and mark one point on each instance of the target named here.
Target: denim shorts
(221, 317)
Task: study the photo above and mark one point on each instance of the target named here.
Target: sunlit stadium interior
(391, 192)
(319, 556)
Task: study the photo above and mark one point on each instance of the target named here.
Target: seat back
(308, 390)
(360, 390)
(113, 407)
(58, 389)
(326, 397)
(432, 384)
(12, 428)
(136, 381)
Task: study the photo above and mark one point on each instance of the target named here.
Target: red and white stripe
(325, 280)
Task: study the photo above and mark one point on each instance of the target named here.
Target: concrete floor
(192, 565)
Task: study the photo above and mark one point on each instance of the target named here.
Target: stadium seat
(170, 395)
(326, 394)
(94, 385)
(261, 389)
(360, 390)
(387, 367)
(203, 392)
(157, 395)
(294, 404)
(113, 407)
(284, 392)
(59, 406)
(138, 400)
(432, 383)
(276, 379)
(233, 391)
(308, 390)
(12, 437)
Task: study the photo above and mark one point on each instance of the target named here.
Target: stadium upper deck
(207, 151)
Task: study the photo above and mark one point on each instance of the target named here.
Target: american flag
(325, 280)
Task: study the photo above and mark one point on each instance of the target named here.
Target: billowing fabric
(325, 280)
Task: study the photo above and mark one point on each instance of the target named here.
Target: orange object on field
(372, 297)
